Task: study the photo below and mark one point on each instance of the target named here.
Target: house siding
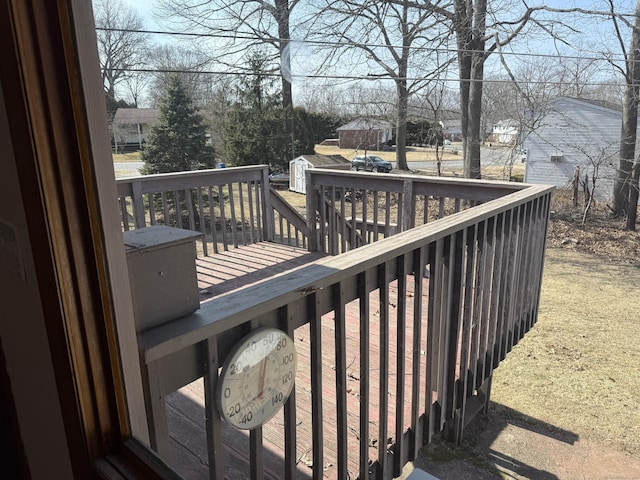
(581, 133)
(364, 134)
(362, 139)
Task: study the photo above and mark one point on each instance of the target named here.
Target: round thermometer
(257, 378)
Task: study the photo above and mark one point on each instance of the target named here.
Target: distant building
(505, 132)
(365, 134)
(131, 126)
(299, 165)
(575, 133)
(452, 129)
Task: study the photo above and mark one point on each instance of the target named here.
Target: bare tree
(136, 84)
(364, 99)
(398, 41)
(431, 104)
(576, 72)
(596, 154)
(120, 45)
(240, 25)
(625, 196)
(480, 28)
(187, 63)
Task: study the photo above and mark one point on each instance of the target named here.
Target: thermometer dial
(257, 378)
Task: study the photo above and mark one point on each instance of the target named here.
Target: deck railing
(231, 207)
(354, 210)
(438, 307)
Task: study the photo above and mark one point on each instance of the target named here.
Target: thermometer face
(257, 378)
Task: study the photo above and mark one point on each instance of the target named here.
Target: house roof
(508, 123)
(366, 124)
(598, 103)
(321, 160)
(147, 116)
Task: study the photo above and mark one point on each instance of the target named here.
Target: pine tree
(178, 142)
(255, 131)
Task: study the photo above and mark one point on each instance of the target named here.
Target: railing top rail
(227, 311)
(175, 181)
(425, 185)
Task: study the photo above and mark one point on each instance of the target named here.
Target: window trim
(58, 129)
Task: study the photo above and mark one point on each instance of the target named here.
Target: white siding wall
(584, 134)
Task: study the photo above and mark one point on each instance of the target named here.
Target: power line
(605, 56)
(363, 77)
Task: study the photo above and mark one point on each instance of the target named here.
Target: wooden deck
(238, 268)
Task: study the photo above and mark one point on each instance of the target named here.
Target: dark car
(371, 163)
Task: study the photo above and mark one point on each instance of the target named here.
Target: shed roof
(147, 116)
(322, 160)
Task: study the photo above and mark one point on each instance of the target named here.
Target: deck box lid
(159, 236)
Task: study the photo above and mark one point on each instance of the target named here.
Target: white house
(299, 165)
(575, 133)
(131, 126)
(505, 132)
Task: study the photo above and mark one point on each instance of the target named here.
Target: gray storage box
(162, 274)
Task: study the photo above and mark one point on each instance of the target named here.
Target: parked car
(371, 163)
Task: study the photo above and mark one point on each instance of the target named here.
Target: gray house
(574, 133)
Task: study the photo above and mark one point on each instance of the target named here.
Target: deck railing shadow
(488, 452)
(187, 428)
(484, 267)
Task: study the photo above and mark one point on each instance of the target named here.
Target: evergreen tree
(312, 128)
(255, 131)
(178, 142)
(251, 136)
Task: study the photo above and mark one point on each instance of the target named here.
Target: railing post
(138, 204)
(312, 204)
(408, 203)
(452, 411)
(213, 422)
(157, 411)
(267, 211)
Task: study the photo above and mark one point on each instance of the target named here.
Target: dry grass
(127, 157)
(425, 154)
(600, 235)
(414, 154)
(579, 368)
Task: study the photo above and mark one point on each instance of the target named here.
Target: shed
(575, 133)
(365, 134)
(298, 166)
